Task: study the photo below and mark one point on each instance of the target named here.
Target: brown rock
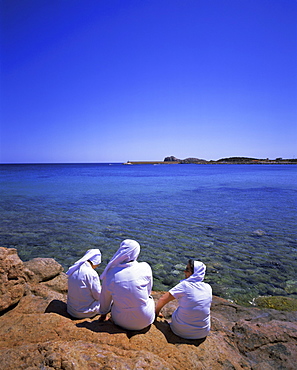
(12, 278)
(57, 284)
(38, 333)
(278, 338)
(43, 269)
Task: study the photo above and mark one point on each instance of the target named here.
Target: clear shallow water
(240, 220)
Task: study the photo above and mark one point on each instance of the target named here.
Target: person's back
(84, 286)
(83, 292)
(191, 319)
(127, 286)
(133, 307)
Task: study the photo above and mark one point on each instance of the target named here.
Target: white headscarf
(199, 272)
(93, 255)
(129, 251)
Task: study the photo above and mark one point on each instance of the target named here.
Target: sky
(111, 80)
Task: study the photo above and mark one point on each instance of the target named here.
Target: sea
(240, 220)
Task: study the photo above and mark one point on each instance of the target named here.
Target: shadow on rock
(109, 327)
(164, 327)
(59, 307)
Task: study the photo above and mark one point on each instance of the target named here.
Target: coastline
(230, 160)
(37, 331)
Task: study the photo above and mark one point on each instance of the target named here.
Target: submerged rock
(291, 286)
(258, 232)
(37, 333)
(277, 303)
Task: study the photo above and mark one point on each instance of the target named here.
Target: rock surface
(37, 333)
(171, 159)
(184, 161)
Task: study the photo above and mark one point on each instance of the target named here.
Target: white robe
(191, 320)
(126, 290)
(84, 291)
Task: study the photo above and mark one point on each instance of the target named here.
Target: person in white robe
(191, 320)
(126, 289)
(84, 288)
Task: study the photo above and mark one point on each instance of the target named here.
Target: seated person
(84, 286)
(126, 289)
(191, 320)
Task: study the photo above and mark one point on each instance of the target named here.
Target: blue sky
(114, 80)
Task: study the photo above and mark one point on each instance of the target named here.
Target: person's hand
(102, 318)
(160, 315)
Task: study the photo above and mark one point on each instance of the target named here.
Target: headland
(228, 160)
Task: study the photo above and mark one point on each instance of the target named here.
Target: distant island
(230, 160)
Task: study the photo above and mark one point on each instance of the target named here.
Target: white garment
(126, 290)
(191, 320)
(129, 251)
(93, 255)
(84, 291)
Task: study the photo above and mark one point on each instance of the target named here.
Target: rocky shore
(37, 333)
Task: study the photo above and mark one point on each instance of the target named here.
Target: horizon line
(121, 162)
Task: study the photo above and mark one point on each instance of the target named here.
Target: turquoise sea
(240, 220)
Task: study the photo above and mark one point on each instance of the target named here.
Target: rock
(171, 159)
(57, 284)
(38, 333)
(192, 160)
(184, 161)
(291, 286)
(278, 339)
(258, 232)
(43, 269)
(277, 302)
(12, 278)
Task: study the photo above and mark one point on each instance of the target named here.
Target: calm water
(240, 220)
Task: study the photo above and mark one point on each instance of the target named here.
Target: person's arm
(150, 279)
(105, 300)
(95, 287)
(167, 297)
